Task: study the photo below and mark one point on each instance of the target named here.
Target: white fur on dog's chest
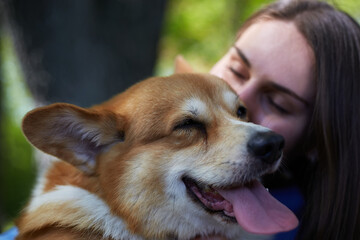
(88, 210)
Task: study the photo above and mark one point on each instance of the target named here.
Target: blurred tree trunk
(85, 51)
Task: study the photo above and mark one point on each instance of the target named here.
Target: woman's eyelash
(236, 73)
(278, 107)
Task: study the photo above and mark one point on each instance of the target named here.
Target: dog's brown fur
(128, 155)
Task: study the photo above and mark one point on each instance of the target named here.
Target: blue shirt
(294, 200)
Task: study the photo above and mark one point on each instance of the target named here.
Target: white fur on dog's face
(134, 154)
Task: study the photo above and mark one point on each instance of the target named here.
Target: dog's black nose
(267, 146)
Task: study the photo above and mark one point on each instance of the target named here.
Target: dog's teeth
(230, 214)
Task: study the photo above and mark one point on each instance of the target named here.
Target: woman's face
(271, 69)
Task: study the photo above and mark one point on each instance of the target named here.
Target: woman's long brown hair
(332, 208)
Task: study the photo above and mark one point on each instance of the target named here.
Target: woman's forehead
(277, 51)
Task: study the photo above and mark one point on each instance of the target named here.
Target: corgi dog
(170, 158)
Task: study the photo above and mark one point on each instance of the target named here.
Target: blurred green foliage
(201, 30)
(17, 169)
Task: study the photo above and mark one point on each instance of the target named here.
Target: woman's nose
(247, 90)
(247, 94)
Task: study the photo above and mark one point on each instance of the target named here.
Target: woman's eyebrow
(289, 92)
(242, 56)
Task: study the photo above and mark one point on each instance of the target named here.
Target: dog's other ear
(182, 66)
(73, 134)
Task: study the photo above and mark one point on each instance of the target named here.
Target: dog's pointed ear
(73, 134)
(182, 66)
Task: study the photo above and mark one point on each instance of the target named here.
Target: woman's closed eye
(279, 105)
(238, 69)
(237, 73)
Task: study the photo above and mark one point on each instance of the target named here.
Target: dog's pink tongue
(258, 212)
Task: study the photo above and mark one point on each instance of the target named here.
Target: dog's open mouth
(251, 205)
(209, 198)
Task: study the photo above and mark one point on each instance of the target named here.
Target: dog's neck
(85, 211)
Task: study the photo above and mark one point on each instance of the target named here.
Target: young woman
(296, 66)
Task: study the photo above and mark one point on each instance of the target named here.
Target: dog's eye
(190, 124)
(241, 112)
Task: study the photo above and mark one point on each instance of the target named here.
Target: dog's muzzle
(248, 202)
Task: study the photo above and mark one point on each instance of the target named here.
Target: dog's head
(174, 156)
